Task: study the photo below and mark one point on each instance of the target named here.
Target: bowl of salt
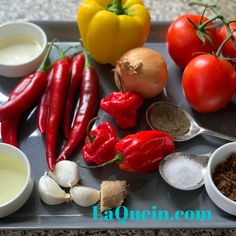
(184, 171)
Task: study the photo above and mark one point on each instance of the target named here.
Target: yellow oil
(18, 49)
(13, 175)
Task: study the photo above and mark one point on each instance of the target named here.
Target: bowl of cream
(16, 182)
(22, 48)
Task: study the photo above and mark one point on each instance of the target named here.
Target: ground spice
(224, 177)
(170, 119)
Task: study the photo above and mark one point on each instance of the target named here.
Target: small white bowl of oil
(16, 182)
(22, 48)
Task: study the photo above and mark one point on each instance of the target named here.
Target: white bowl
(10, 31)
(22, 196)
(219, 156)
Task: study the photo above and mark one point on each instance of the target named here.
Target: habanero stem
(89, 127)
(118, 158)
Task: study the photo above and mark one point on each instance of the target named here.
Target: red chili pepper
(25, 99)
(44, 102)
(43, 106)
(58, 92)
(9, 127)
(86, 110)
(69, 59)
(9, 130)
(76, 69)
(141, 152)
(100, 144)
(123, 106)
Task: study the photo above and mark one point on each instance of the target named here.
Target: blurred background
(66, 10)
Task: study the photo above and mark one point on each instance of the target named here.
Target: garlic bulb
(50, 192)
(84, 196)
(66, 173)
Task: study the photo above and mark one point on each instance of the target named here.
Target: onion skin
(141, 70)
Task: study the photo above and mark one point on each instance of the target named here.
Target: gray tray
(146, 190)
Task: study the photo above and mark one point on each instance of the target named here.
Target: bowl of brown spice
(220, 177)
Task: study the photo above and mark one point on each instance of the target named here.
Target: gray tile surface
(65, 10)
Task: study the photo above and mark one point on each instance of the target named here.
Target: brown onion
(141, 70)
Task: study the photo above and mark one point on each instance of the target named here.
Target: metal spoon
(194, 128)
(201, 159)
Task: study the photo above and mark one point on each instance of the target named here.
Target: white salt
(183, 172)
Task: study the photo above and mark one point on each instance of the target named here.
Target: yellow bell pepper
(110, 28)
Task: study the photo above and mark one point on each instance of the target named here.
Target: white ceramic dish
(22, 196)
(27, 30)
(219, 156)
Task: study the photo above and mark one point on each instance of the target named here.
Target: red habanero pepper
(58, 92)
(76, 69)
(100, 144)
(141, 152)
(123, 106)
(26, 98)
(87, 107)
(9, 127)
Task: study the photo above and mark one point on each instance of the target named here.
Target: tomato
(182, 39)
(229, 50)
(208, 83)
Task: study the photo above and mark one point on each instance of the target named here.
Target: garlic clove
(84, 196)
(66, 173)
(50, 192)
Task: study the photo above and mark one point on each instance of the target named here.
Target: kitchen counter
(65, 10)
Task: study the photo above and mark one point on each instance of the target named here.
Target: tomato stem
(227, 25)
(202, 26)
(212, 7)
(222, 45)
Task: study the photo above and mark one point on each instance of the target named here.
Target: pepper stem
(69, 48)
(61, 53)
(87, 61)
(89, 126)
(43, 66)
(116, 7)
(118, 157)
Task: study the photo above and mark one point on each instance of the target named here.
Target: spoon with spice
(184, 171)
(172, 119)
